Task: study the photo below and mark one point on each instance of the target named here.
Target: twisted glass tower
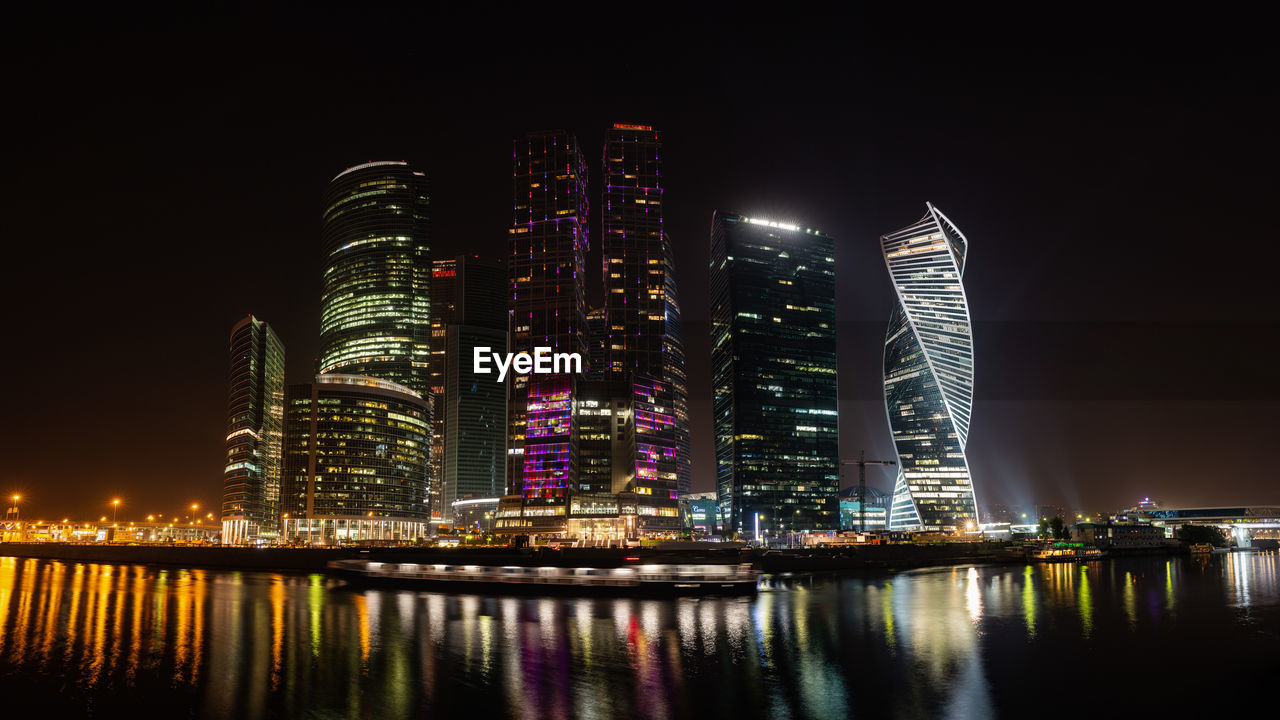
(928, 375)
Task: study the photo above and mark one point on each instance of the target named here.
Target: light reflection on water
(948, 642)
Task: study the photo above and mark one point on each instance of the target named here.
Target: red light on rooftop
(624, 126)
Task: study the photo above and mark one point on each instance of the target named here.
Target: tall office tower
(356, 450)
(928, 375)
(773, 364)
(469, 310)
(375, 308)
(548, 307)
(642, 310)
(255, 428)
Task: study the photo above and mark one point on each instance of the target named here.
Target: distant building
(928, 375)
(703, 511)
(356, 450)
(999, 514)
(474, 514)
(469, 412)
(773, 363)
(255, 430)
(851, 513)
(1119, 535)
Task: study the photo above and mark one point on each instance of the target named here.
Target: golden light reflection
(1029, 601)
(1085, 602)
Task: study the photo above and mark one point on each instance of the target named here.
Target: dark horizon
(166, 175)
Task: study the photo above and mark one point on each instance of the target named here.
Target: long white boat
(641, 577)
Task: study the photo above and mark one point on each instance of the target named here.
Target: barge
(662, 578)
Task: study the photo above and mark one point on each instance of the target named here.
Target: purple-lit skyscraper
(547, 298)
(642, 311)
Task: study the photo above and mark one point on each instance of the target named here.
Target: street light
(115, 506)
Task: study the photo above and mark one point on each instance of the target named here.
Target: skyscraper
(255, 426)
(469, 310)
(773, 369)
(548, 308)
(375, 308)
(356, 450)
(928, 375)
(642, 309)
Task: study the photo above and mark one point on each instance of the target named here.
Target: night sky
(1115, 176)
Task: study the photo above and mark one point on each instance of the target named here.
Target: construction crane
(862, 462)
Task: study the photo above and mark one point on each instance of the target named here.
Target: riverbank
(867, 558)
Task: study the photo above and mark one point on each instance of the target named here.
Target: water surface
(999, 641)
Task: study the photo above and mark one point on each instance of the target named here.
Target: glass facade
(774, 376)
(641, 321)
(375, 307)
(255, 430)
(469, 411)
(928, 376)
(546, 282)
(356, 449)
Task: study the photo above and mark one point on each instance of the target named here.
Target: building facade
(928, 376)
(469, 411)
(641, 324)
(774, 376)
(547, 299)
(255, 434)
(853, 516)
(375, 307)
(356, 451)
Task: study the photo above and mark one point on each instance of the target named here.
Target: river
(1117, 636)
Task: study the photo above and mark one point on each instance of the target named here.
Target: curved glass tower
(375, 309)
(928, 375)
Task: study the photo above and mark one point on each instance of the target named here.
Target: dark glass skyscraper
(642, 310)
(469, 310)
(356, 451)
(928, 375)
(375, 308)
(548, 308)
(774, 375)
(255, 427)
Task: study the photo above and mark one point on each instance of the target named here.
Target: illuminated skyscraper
(255, 426)
(642, 309)
(548, 309)
(375, 308)
(773, 364)
(928, 375)
(468, 310)
(356, 451)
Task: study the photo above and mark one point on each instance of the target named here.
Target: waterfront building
(469, 413)
(356, 451)
(255, 431)
(641, 312)
(376, 275)
(928, 376)
(475, 515)
(774, 376)
(851, 513)
(702, 510)
(614, 446)
(546, 282)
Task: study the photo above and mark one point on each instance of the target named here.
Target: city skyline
(1091, 198)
